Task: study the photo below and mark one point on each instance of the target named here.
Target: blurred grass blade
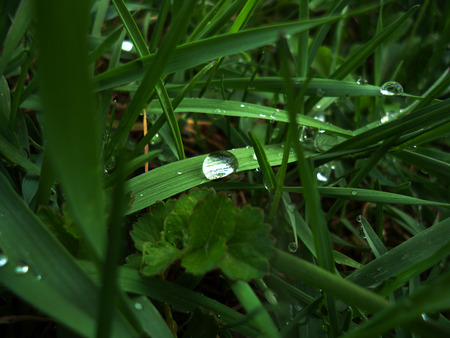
(71, 127)
(15, 157)
(52, 273)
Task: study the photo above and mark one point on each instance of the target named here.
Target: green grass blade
(268, 175)
(71, 127)
(367, 195)
(196, 53)
(375, 243)
(244, 109)
(15, 157)
(254, 307)
(18, 28)
(404, 256)
(176, 177)
(52, 272)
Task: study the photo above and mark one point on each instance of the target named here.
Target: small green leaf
(211, 225)
(148, 228)
(177, 222)
(249, 248)
(158, 257)
(203, 259)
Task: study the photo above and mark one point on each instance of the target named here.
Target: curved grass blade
(243, 109)
(367, 195)
(173, 178)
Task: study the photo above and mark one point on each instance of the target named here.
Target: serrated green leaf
(211, 225)
(203, 259)
(177, 222)
(158, 257)
(149, 227)
(249, 248)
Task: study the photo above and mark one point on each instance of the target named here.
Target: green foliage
(206, 231)
(332, 217)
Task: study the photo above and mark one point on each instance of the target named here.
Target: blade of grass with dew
(431, 165)
(244, 109)
(404, 256)
(152, 76)
(367, 195)
(254, 308)
(322, 240)
(421, 118)
(196, 53)
(16, 32)
(179, 297)
(431, 298)
(375, 243)
(176, 177)
(51, 272)
(266, 170)
(73, 135)
(365, 51)
(154, 323)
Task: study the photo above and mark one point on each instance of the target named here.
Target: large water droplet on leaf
(391, 88)
(3, 260)
(219, 164)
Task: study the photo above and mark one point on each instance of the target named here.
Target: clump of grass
(246, 168)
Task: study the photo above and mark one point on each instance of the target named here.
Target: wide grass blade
(72, 128)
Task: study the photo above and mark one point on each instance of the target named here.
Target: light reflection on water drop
(292, 247)
(3, 260)
(219, 164)
(138, 306)
(21, 268)
(391, 88)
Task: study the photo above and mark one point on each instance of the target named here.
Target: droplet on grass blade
(219, 164)
(3, 260)
(21, 268)
(391, 88)
(292, 247)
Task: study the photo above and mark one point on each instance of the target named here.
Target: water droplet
(354, 193)
(359, 218)
(141, 195)
(255, 157)
(391, 88)
(155, 139)
(361, 232)
(138, 306)
(3, 260)
(361, 81)
(388, 117)
(262, 116)
(292, 247)
(247, 147)
(219, 164)
(179, 173)
(425, 317)
(321, 177)
(21, 268)
(242, 105)
(38, 277)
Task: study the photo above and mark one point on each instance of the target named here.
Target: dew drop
(292, 247)
(141, 195)
(155, 139)
(219, 164)
(361, 81)
(359, 218)
(262, 116)
(255, 157)
(321, 177)
(391, 88)
(3, 260)
(39, 277)
(354, 193)
(138, 306)
(180, 172)
(21, 268)
(242, 105)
